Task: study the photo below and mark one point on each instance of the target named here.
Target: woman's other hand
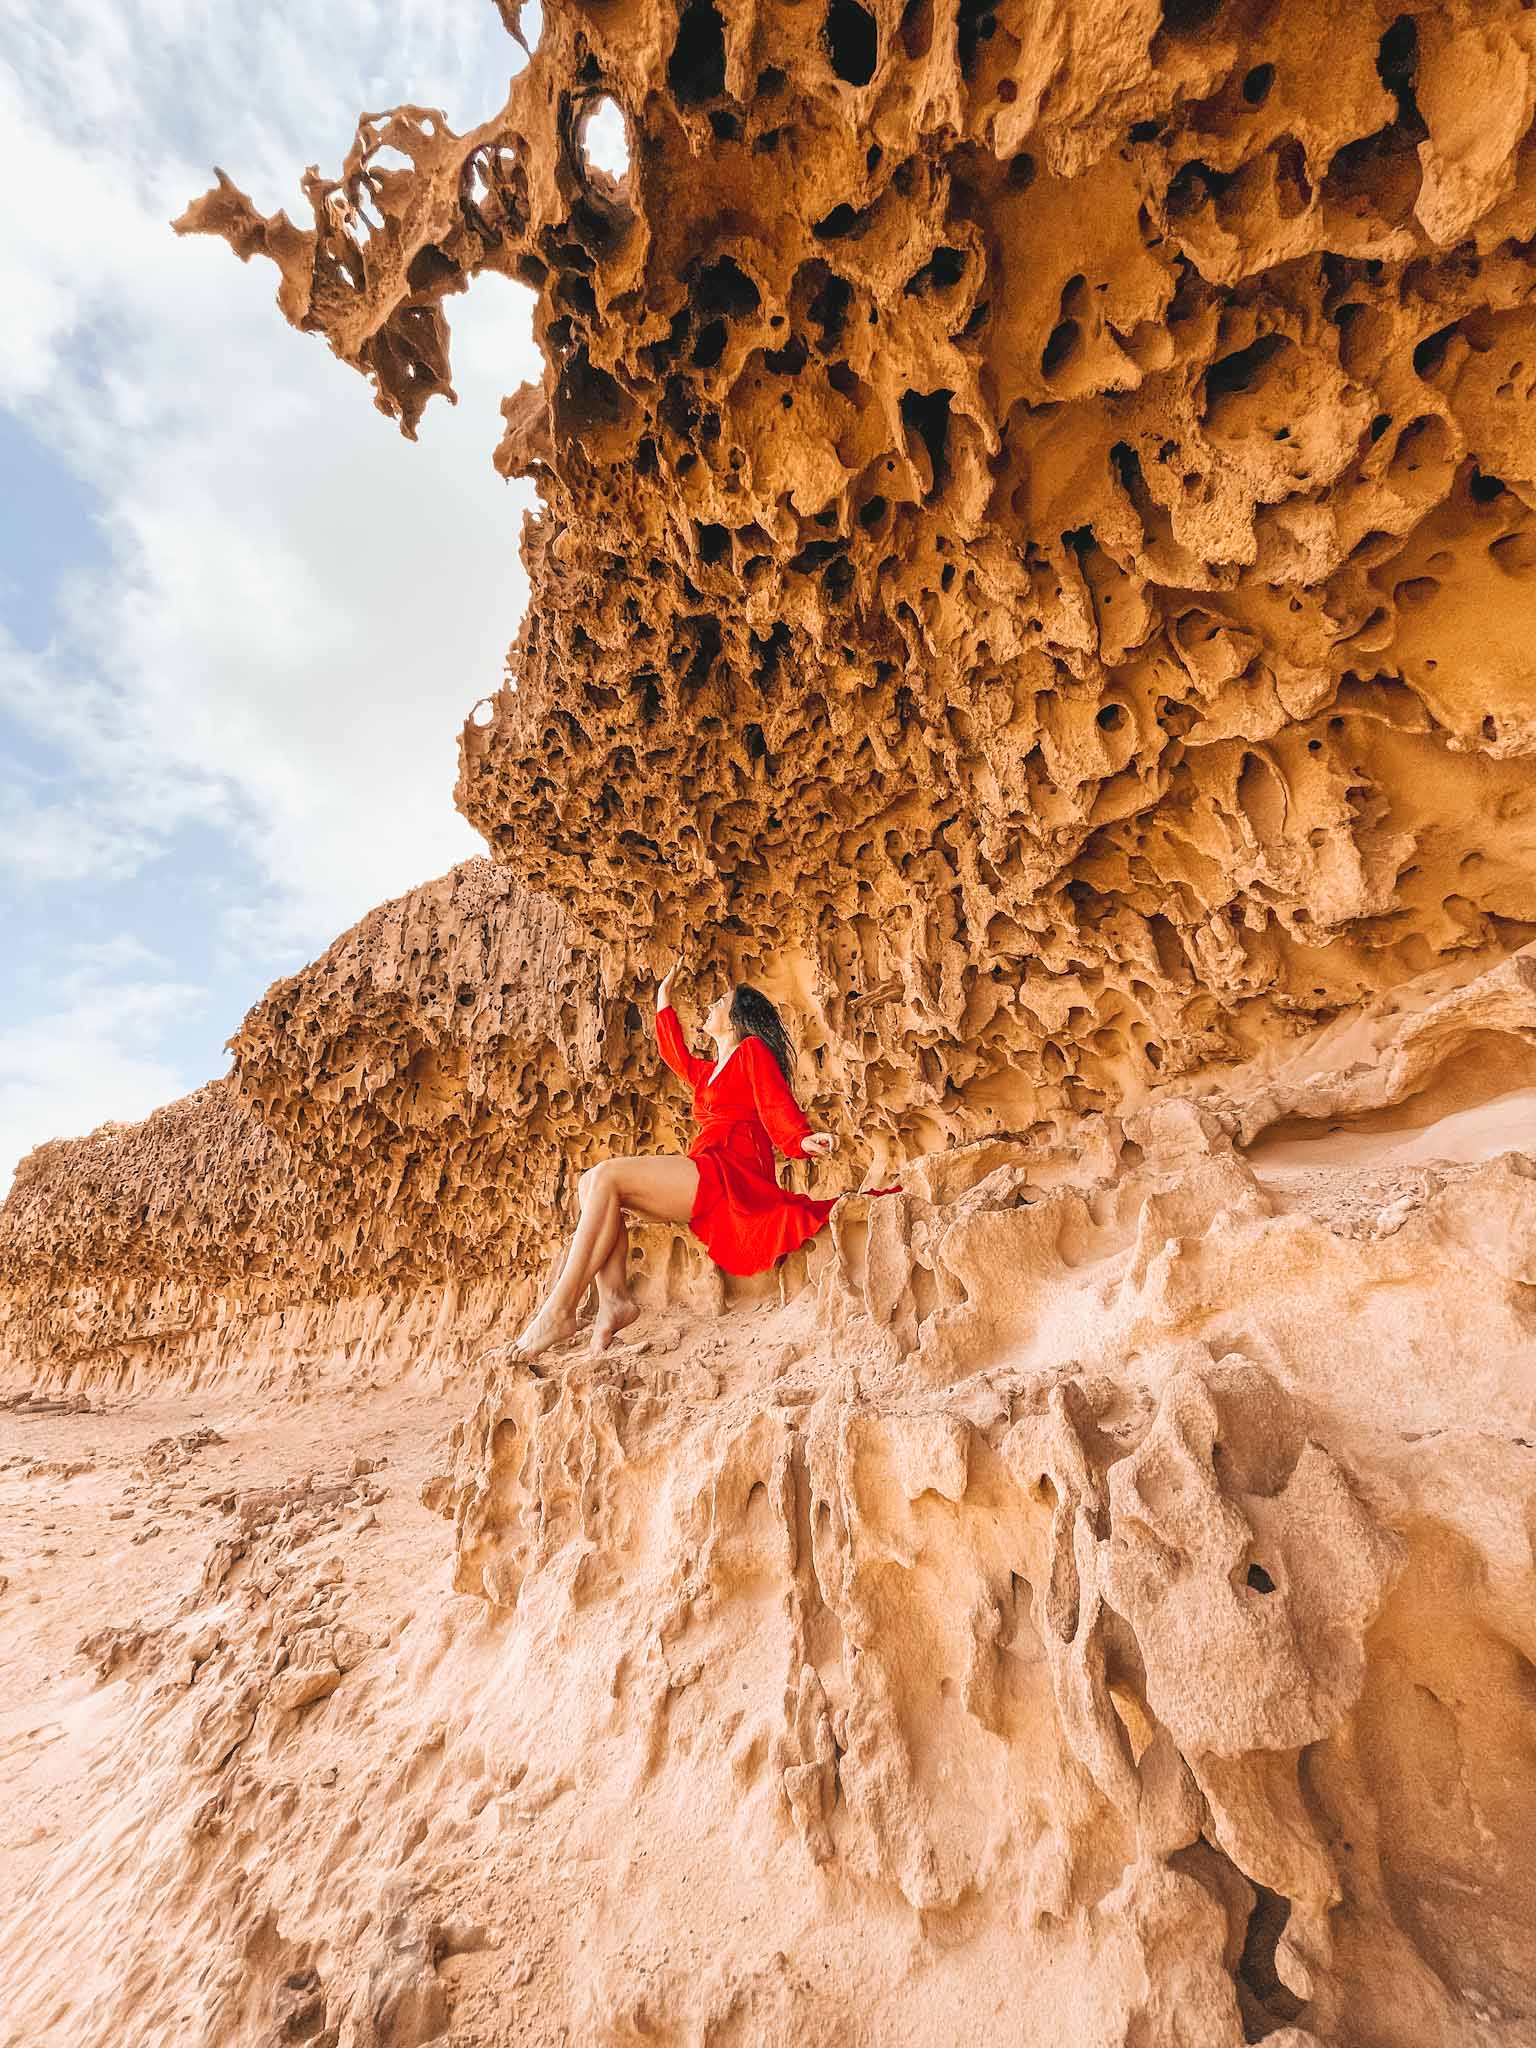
(819, 1144)
(664, 990)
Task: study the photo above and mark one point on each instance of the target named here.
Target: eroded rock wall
(1097, 1610)
(377, 1180)
(1037, 530)
(1034, 567)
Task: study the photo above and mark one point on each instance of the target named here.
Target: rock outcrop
(1035, 569)
(1038, 505)
(376, 1178)
(1096, 1609)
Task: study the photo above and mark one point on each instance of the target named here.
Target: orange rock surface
(1035, 569)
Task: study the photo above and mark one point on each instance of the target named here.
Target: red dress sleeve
(674, 1047)
(782, 1117)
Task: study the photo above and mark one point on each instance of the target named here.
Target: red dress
(741, 1215)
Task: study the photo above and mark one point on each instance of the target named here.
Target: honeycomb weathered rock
(1038, 523)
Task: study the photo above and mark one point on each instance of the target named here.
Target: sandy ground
(101, 1530)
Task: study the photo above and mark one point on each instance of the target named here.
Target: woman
(724, 1189)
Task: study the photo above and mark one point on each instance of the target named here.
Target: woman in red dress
(725, 1188)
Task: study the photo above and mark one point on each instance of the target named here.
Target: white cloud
(297, 607)
(92, 1055)
(605, 138)
(63, 842)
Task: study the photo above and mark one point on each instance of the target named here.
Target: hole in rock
(842, 220)
(1058, 350)
(705, 651)
(787, 361)
(709, 346)
(714, 542)
(724, 288)
(1196, 183)
(1430, 352)
(1484, 488)
(872, 513)
(1267, 2003)
(916, 29)
(1379, 174)
(1021, 171)
(974, 23)
(1237, 372)
(603, 137)
(770, 651)
(944, 268)
(587, 396)
(1257, 84)
(696, 68)
(1259, 1579)
(1397, 64)
(1183, 17)
(852, 40)
(927, 415)
(815, 554)
(829, 308)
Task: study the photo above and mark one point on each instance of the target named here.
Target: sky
(241, 618)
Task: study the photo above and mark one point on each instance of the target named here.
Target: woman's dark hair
(755, 1017)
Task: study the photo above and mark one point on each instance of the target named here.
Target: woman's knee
(598, 1181)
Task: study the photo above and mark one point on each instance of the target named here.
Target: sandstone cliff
(1035, 568)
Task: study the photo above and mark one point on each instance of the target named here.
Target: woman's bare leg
(662, 1188)
(617, 1308)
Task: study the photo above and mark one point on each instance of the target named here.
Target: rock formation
(1035, 568)
(1037, 518)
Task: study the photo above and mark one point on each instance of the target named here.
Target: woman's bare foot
(549, 1327)
(613, 1316)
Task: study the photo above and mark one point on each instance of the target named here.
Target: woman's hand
(819, 1144)
(664, 989)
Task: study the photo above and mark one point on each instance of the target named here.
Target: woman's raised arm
(669, 1036)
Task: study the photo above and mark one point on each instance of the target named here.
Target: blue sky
(240, 618)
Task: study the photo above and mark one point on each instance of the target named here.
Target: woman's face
(718, 1020)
